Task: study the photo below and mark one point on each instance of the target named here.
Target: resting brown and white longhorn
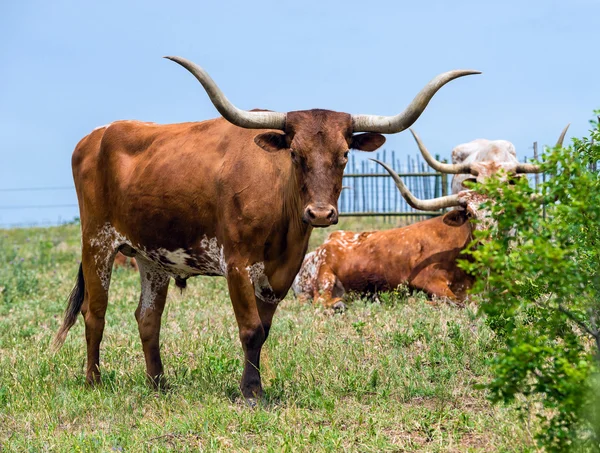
(423, 255)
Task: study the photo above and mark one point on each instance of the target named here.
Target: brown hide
(205, 198)
(422, 255)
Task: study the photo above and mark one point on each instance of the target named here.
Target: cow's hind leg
(96, 263)
(155, 283)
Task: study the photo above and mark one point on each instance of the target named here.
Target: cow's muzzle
(320, 215)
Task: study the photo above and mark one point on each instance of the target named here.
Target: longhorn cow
(236, 197)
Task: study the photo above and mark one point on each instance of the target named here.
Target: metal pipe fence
(370, 191)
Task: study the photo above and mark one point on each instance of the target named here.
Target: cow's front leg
(252, 332)
(324, 290)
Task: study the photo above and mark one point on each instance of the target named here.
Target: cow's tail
(73, 309)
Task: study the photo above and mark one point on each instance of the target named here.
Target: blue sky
(69, 66)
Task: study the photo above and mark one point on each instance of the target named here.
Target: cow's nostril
(311, 214)
(331, 214)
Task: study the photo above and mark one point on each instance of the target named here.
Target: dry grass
(395, 376)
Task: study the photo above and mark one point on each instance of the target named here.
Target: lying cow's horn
(241, 118)
(530, 168)
(440, 166)
(395, 124)
(561, 138)
(424, 205)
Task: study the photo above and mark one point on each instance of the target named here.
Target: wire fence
(368, 191)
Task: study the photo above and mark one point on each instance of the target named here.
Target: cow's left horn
(424, 205)
(440, 166)
(395, 124)
(241, 118)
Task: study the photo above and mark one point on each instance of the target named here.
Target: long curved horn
(394, 124)
(528, 168)
(440, 166)
(424, 205)
(531, 168)
(561, 138)
(241, 118)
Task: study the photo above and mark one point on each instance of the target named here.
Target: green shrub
(538, 269)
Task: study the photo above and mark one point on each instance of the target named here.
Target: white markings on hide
(209, 260)
(306, 280)
(215, 254)
(105, 245)
(262, 287)
(347, 240)
(482, 215)
(306, 276)
(153, 278)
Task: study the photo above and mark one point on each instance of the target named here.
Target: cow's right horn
(241, 118)
(424, 205)
(402, 121)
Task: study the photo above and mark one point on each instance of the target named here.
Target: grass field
(395, 376)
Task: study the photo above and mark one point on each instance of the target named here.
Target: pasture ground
(392, 376)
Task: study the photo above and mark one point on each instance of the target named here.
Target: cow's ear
(367, 142)
(456, 217)
(271, 141)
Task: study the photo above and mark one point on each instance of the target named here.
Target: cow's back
(173, 184)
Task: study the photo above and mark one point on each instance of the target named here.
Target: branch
(581, 324)
(594, 326)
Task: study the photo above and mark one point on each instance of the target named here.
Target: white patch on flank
(153, 278)
(210, 259)
(262, 287)
(180, 263)
(217, 263)
(106, 243)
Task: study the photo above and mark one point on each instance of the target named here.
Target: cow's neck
(292, 205)
(291, 240)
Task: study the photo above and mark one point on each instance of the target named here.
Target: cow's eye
(294, 155)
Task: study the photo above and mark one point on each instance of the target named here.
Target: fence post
(535, 156)
(444, 181)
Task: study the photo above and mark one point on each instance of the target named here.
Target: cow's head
(487, 157)
(473, 161)
(318, 141)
